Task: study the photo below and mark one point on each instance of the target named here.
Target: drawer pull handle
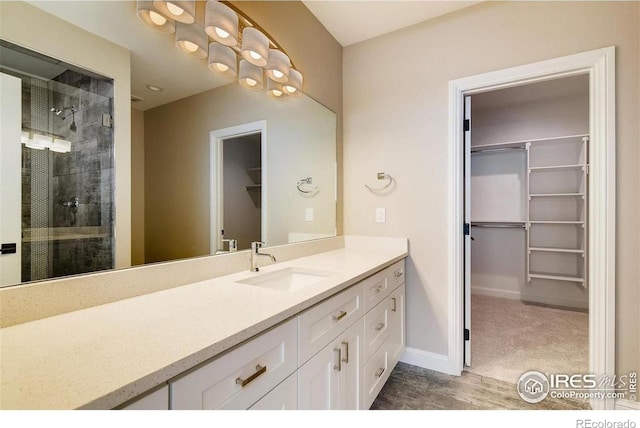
(380, 326)
(340, 315)
(379, 372)
(379, 288)
(398, 274)
(393, 308)
(339, 365)
(346, 352)
(244, 382)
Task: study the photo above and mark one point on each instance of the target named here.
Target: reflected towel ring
(381, 176)
(307, 181)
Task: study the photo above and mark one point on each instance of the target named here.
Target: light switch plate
(381, 215)
(308, 216)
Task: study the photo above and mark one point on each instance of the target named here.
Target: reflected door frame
(216, 138)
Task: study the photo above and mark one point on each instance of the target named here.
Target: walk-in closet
(529, 166)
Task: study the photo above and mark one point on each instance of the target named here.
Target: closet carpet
(509, 338)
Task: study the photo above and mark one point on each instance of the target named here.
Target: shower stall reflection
(67, 166)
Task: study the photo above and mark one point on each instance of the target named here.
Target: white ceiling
(352, 21)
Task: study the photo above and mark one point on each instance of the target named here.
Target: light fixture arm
(245, 21)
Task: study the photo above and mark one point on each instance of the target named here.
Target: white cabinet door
(282, 397)
(332, 379)
(396, 338)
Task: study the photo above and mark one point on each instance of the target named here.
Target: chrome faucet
(255, 252)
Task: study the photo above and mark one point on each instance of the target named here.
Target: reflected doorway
(238, 187)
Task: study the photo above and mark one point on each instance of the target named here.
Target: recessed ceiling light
(154, 88)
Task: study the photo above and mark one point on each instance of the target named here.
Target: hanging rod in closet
(500, 225)
(496, 150)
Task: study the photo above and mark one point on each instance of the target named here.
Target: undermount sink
(288, 279)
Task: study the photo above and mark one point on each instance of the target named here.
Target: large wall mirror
(214, 166)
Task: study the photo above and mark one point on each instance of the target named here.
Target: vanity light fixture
(40, 142)
(255, 46)
(60, 146)
(275, 90)
(250, 76)
(221, 23)
(228, 34)
(180, 11)
(293, 87)
(148, 14)
(192, 39)
(222, 59)
(278, 66)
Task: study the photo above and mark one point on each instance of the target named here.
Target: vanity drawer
(322, 323)
(241, 377)
(376, 372)
(282, 397)
(379, 285)
(377, 327)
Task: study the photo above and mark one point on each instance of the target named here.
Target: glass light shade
(60, 146)
(150, 16)
(255, 47)
(192, 39)
(221, 23)
(180, 11)
(222, 59)
(275, 90)
(278, 66)
(294, 86)
(250, 76)
(39, 142)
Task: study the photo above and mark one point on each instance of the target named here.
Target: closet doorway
(600, 257)
(526, 202)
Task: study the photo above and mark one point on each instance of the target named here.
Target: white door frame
(600, 65)
(216, 137)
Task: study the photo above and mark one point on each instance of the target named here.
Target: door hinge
(467, 335)
(467, 125)
(466, 229)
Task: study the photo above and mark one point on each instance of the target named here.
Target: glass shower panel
(67, 168)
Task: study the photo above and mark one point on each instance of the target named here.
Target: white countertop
(101, 357)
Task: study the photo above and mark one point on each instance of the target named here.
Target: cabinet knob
(380, 326)
(393, 308)
(380, 371)
(346, 353)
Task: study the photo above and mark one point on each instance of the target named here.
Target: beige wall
(314, 52)
(300, 143)
(396, 114)
(27, 26)
(137, 187)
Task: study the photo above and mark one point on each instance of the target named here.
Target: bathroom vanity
(322, 331)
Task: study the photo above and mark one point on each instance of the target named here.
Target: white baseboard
(514, 295)
(427, 360)
(627, 405)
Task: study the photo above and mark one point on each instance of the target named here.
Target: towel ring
(307, 181)
(381, 176)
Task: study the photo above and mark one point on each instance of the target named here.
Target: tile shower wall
(71, 239)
